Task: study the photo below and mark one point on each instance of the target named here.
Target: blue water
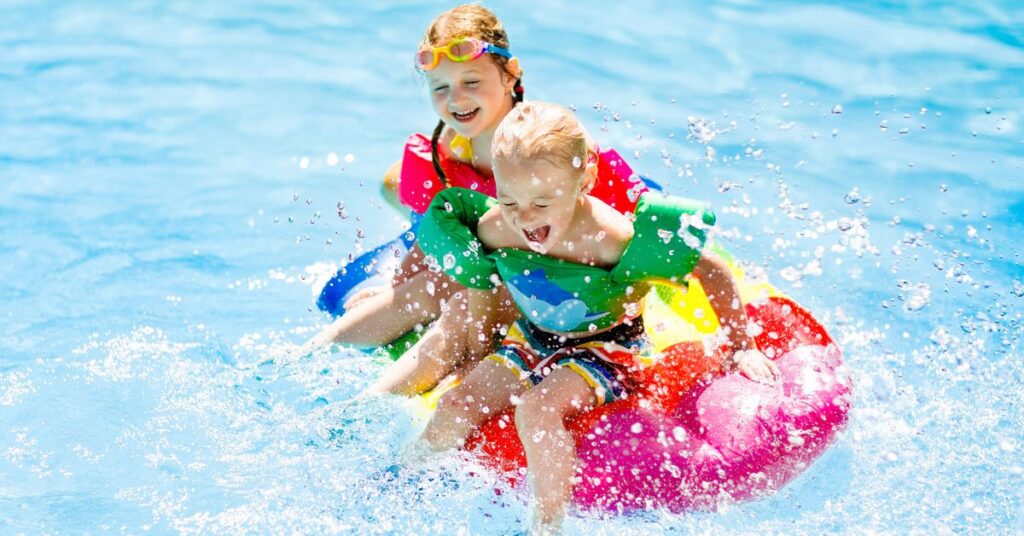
(170, 180)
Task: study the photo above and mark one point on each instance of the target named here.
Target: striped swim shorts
(605, 360)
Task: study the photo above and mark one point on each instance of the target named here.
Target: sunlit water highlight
(171, 178)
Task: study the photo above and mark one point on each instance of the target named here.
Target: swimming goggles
(459, 50)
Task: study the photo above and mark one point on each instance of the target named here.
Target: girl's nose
(456, 95)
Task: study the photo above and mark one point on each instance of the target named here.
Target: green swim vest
(557, 295)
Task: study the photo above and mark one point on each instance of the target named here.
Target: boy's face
(472, 96)
(538, 199)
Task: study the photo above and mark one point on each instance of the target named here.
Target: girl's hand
(754, 365)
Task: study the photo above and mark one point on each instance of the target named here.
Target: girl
(474, 81)
(577, 269)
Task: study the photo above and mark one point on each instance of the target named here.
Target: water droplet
(577, 162)
(837, 109)
(592, 328)
(349, 158)
(1018, 289)
(679, 433)
(943, 187)
(988, 110)
(852, 197)
(332, 159)
(360, 233)
(919, 297)
(448, 261)
(884, 125)
(636, 428)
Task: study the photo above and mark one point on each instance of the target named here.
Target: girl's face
(472, 96)
(539, 200)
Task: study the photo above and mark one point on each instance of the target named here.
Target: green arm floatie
(668, 236)
(448, 233)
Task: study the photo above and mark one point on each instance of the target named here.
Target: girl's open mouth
(467, 116)
(538, 235)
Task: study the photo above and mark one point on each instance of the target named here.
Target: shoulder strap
(668, 236)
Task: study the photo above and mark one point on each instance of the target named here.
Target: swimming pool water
(171, 176)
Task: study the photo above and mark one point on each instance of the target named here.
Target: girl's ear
(513, 70)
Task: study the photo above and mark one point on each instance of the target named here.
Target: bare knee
(453, 420)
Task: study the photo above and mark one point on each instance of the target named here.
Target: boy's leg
(486, 391)
(550, 449)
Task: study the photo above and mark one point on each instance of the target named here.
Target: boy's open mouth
(467, 116)
(538, 235)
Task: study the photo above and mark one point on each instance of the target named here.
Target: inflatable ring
(694, 437)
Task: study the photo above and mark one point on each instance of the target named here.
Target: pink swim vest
(616, 183)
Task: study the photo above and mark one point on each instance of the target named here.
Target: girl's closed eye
(439, 89)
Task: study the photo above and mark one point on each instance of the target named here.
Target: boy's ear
(589, 178)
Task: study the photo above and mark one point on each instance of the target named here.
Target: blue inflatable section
(377, 267)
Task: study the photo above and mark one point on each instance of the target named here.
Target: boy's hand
(754, 365)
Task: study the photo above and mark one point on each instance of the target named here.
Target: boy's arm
(448, 233)
(484, 318)
(724, 297)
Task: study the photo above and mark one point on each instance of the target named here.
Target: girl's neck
(482, 152)
(482, 145)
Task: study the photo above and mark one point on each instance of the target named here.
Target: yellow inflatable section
(673, 314)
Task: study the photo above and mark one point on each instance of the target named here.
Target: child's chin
(537, 246)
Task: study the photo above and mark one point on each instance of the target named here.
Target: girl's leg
(550, 449)
(425, 364)
(487, 390)
(385, 315)
(457, 340)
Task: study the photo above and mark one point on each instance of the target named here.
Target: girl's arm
(389, 187)
(724, 297)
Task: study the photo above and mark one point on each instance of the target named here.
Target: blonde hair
(537, 129)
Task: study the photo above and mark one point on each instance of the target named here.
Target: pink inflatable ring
(695, 438)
